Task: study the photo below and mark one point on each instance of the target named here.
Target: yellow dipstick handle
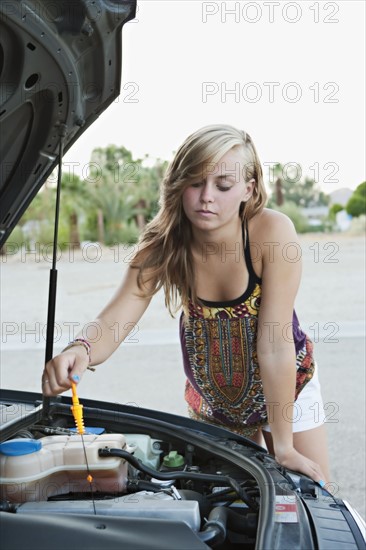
(77, 410)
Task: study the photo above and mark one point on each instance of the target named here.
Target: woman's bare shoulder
(270, 224)
(271, 231)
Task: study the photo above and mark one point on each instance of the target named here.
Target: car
(125, 476)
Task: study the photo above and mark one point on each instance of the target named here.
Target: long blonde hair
(164, 256)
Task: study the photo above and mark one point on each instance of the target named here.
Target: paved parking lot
(147, 369)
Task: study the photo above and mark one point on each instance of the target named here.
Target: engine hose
(220, 519)
(229, 494)
(106, 451)
(214, 530)
(135, 486)
(242, 523)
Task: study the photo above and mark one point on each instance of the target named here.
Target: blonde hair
(164, 256)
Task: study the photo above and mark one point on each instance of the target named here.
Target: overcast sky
(290, 73)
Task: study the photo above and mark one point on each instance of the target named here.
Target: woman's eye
(222, 188)
(219, 187)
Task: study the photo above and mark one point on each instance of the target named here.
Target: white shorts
(308, 408)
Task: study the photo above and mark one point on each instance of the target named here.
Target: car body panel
(60, 69)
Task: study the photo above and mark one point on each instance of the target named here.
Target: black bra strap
(248, 259)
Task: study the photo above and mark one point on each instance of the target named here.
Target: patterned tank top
(219, 342)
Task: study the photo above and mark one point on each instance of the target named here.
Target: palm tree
(73, 197)
(113, 207)
(123, 190)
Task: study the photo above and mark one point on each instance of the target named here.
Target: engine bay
(50, 470)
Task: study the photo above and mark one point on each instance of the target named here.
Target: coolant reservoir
(33, 470)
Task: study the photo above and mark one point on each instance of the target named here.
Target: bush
(128, 233)
(16, 237)
(14, 242)
(333, 211)
(356, 206)
(357, 203)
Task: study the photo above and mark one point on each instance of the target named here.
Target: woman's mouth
(205, 213)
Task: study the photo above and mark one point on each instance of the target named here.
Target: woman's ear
(249, 188)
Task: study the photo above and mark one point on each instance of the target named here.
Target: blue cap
(90, 430)
(19, 447)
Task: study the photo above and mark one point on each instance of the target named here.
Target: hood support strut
(53, 272)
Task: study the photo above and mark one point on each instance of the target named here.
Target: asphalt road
(147, 369)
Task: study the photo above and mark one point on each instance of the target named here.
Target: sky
(292, 74)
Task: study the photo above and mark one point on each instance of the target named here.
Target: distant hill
(340, 196)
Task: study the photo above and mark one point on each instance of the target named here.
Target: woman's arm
(276, 349)
(106, 333)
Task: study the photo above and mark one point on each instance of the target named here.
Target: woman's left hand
(293, 460)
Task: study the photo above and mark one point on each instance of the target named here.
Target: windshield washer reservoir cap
(20, 447)
(90, 430)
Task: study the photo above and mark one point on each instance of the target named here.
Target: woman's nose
(207, 193)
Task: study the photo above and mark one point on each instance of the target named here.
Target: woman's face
(214, 201)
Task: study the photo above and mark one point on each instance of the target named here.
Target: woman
(229, 262)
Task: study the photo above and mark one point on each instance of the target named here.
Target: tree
(147, 191)
(116, 200)
(112, 208)
(287, 186)
(42, 207)
(73, 199)
(41, 212)
(357, 202)
(123, 191)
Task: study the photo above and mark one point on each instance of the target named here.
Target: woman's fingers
(300, 463)
(61, 370)
(55, 376)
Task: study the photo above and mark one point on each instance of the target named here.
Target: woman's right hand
(69, 366)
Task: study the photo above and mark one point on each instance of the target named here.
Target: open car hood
(60, 68)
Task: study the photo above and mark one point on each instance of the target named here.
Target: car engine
(49, 470)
